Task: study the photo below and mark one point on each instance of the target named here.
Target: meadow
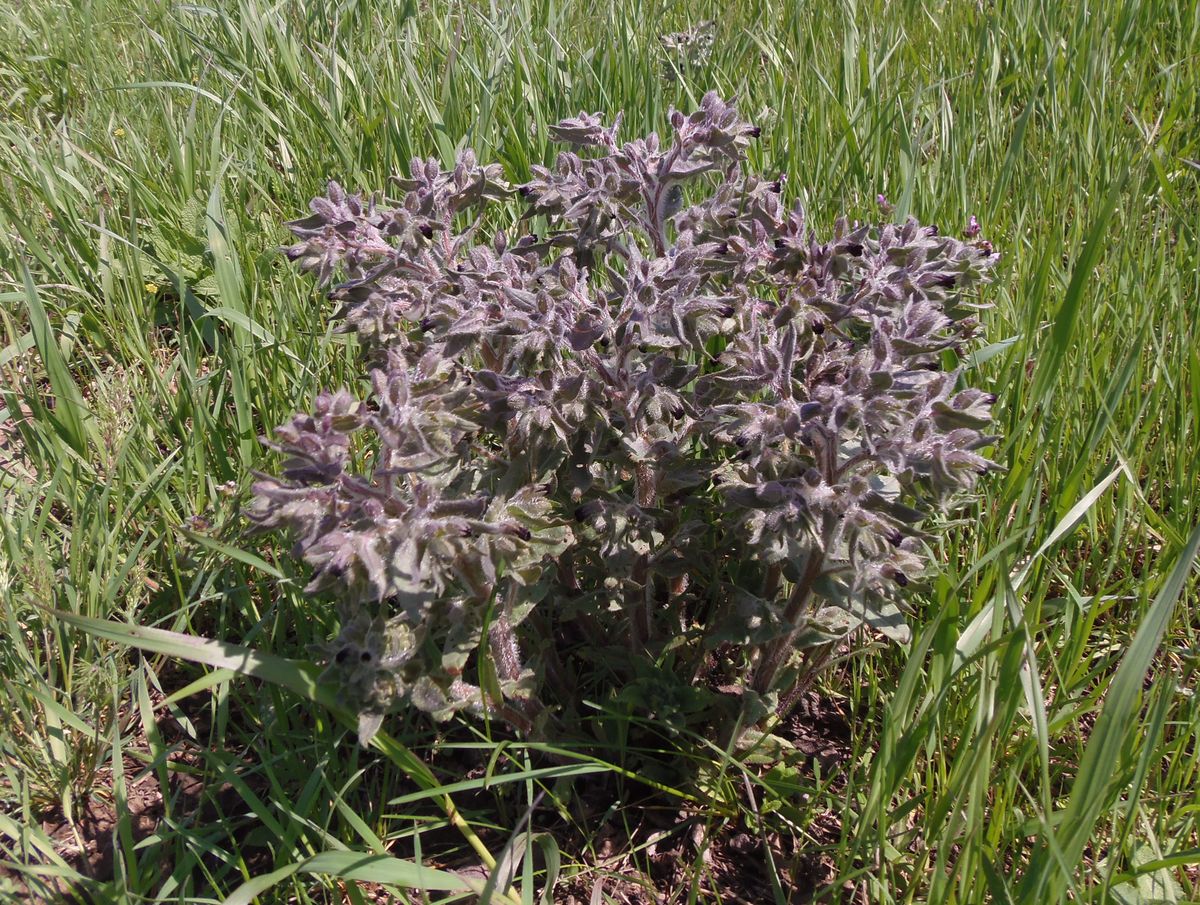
(1037, 740)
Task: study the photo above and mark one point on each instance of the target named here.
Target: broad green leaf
(1151, 885)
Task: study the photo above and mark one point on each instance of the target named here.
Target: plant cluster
(656, 413)
(688, 49)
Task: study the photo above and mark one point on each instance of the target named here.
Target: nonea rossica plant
(656, 423)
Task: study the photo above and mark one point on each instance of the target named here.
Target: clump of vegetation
(657, 408)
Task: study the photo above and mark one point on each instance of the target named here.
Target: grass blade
(301, 678)
(69, 410)
(1065, 320)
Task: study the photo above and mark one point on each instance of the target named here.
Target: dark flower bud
(588, 511)
(365, 656)
(342, 656)
(818, 327)
(524, 191)
(425, 230)
(946, 281)
(754, 131)
(776, 186)
(426, 324)
(723, 248)
(990, 398)
(727, 311)
(854, 250)
(780, 244)
(810, 410)
(901, 579)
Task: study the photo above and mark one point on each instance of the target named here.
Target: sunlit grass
(149, 153)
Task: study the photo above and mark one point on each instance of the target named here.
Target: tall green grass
(1040, 737)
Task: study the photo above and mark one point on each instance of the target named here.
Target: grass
(1039, 739)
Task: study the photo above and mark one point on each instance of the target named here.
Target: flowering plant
(656, 408)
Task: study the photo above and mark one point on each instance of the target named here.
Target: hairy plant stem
(646, 484)
(640, 598)
(506, 657)
(771, 581)
(638, 603)
(775, 653)
(816, 663)
(505, 652)
(656, 203)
